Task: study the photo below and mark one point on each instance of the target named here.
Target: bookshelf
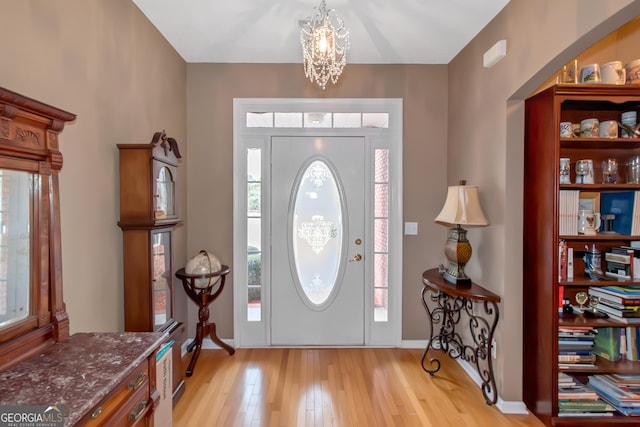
(542, 286)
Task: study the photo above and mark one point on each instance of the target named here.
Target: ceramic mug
(566, 130)
(628, 119)
(589, 128)
(590, 74)
(613, 73)
(608, 129)
(633, 72)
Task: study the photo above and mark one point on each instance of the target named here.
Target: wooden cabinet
(544, 285)
(148, 216)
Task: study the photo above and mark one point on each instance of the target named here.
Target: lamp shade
(462, 207)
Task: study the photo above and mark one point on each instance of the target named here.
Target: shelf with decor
(561, 230)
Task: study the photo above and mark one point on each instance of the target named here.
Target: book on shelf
(614, 295)
(631, 312)
(574, 366)
(618, 306)
(632, 343)
(619, 263)
(636, 259)
(625, 380)
(625, 320)
(585, 414)
(625, 401)
(576, 332)
(609, 388)
(566, 379)
(568, 212)
(563, 256)
(607, 344)
(624, 290)
(584, 406)
(563, 346)
(577, 358)
(570, 263)
(578, 391)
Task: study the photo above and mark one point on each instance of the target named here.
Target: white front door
(317, 229)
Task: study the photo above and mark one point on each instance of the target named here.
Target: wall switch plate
(411, 228)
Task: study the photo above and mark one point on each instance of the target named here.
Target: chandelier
(325, 41)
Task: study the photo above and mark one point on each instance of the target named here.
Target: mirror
(16, 190)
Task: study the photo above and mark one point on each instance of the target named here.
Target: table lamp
(462, 207)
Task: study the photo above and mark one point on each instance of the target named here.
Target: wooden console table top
(433, 279)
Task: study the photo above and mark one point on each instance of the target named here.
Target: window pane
(381, 200)
(254, 164)
(381, 305)
(254, 233)
(381, 270)
(317, 120)
(254, 274)
(375, 120)
(259, 120)
(380, 237)
(381, 166)
(288, 120)
(253, 199)
(346, 120)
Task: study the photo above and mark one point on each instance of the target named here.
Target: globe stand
(203, 297)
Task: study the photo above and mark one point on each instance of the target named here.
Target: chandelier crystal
(325, 42)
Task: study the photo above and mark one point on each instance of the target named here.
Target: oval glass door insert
(317, 232)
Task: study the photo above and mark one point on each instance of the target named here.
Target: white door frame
(257, 333)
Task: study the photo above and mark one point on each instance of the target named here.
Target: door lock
(356, 257)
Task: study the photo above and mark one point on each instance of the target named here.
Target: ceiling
(267, 31)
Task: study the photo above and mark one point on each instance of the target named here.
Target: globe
(203, 263)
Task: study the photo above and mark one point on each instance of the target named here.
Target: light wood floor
(332, 387)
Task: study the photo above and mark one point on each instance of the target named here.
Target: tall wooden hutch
(543, 285)
(148, 174)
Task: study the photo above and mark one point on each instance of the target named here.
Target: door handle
(356, 257)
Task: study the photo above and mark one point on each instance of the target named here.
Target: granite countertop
(77, 373)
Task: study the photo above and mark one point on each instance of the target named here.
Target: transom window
(334, 120)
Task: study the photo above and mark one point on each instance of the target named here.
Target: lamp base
(462, 281)
(457, 249)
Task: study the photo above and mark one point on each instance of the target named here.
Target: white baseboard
(506, 407)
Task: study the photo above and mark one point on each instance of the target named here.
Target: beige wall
(211, 89)
(541, 36)
(104, 61)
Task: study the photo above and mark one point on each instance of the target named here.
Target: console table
(451, 302)
(203, 296)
